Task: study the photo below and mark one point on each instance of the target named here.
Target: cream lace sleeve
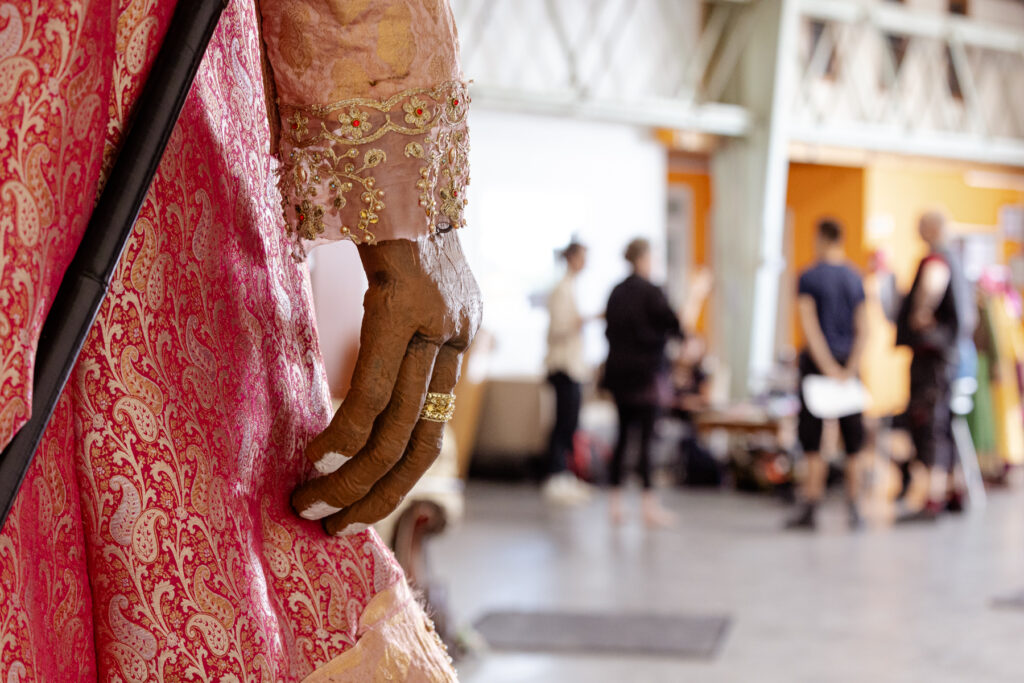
(373, 143)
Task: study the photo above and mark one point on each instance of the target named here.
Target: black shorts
(809, 428)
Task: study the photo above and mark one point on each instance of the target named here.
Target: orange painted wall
(817, 191)
(897, 194)
(700, 184)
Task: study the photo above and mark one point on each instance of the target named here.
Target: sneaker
(584, 490)
(805, 519)
(565, 489)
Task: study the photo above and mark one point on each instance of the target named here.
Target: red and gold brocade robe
(152, 539)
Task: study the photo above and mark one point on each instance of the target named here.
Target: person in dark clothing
(936, 313)
(833, 319)
(640, 324)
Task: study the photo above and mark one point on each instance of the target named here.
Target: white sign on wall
(880, 227)
(1011, 222)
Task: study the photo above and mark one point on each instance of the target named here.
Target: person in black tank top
(933, 317)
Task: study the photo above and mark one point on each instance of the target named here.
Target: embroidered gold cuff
(364, 168)
(438, 407)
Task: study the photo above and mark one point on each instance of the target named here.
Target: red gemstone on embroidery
(355, 122)
(302, 216)
(295, 126)
(455, 102)
(419, 112)
(455, 193)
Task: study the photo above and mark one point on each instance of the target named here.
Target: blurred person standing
(567, 371)
(937, 315)
(831, 311)
(640, 324)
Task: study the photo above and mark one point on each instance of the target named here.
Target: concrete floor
(904, 604)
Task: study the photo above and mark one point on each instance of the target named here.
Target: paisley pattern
(55, 74)
(153, 539)
(56, 65)
(46, 620)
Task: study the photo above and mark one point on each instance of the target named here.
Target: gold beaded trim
(438, 407)
(331, 159)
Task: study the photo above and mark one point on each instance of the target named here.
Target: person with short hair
(567, 371)
(831, 313)
(937, 314)
(640, 324)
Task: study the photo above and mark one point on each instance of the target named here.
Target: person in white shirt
(567, 371)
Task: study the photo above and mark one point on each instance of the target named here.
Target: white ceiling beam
(893, 18)
(699, 59)
(964, 76)
(879, 138)
(715, 119)
(725, 66)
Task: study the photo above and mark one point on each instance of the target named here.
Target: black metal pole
(87, 278)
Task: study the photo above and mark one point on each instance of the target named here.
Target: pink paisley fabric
(46, 627)
(55, 76)
(153, 540)
(56, 69)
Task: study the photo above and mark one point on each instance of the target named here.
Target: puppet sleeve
(372, 109)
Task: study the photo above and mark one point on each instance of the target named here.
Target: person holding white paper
(831, 312)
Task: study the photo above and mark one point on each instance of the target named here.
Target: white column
(749, 178)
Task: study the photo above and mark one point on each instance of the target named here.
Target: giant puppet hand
(422, 310)
(374, 148)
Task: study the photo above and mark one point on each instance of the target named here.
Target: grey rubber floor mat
(685, 636)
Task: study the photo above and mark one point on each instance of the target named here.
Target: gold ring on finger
(438, 407)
